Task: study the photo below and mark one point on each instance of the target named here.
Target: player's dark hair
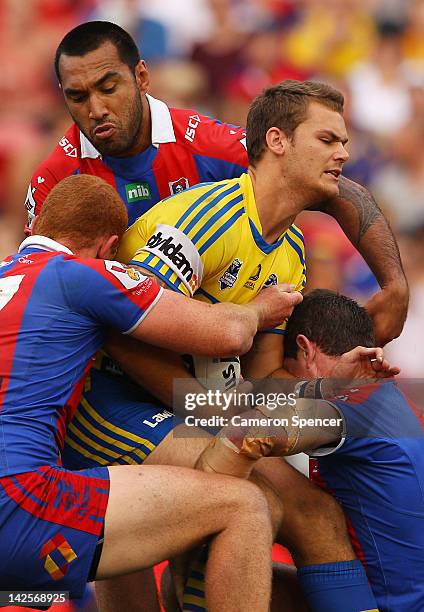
(336, 323)
(80, 209)
(90, 36)
(285, 106)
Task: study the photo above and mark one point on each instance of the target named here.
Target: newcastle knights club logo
(178, 186)
(229, 277)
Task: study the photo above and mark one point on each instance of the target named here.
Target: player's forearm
(306, 425)
(364, 224)
(149, 366)
(265, 357)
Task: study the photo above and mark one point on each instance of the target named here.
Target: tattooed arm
(366, 227)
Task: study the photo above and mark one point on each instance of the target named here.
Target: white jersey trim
(145, 313)
(88, 150)
(323, 451)
(44, 244)
(162, 127)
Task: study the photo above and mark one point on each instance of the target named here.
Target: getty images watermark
(226, 399)
(278, 403)
(230, 401)
(213, 409)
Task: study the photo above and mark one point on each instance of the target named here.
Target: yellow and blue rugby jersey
(207, 242)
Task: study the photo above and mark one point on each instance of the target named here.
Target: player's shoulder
(206, 134)
(361, 394)
(63, 160)
(192, 201)
(65, 156)
(119, 274)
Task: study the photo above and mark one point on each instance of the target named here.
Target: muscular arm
(237, 448)
(150, 366)
(155, 368)
(265, 356)
(364, 224)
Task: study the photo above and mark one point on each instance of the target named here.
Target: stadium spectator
(381, 100)
(408, 349)
(330, 37)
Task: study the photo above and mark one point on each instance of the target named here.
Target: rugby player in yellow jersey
(223, 242)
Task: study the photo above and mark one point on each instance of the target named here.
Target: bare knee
(244, 497)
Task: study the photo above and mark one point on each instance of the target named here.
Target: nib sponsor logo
(172, 249)
(137, 191)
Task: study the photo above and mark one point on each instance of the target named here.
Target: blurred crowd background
(215, 56)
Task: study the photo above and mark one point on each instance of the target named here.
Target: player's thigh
(181, 447)
(129, 592)
(295, 490)
(157, 512)
(313, 525)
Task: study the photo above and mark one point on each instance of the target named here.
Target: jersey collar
(44, 244)
(254, 221)
(162, 129)
(87, 149)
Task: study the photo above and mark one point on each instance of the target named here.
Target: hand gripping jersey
(377, 474)
(206, 242)
(53, 309)
(187, 149)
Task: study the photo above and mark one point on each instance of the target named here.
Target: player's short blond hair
(81, 209)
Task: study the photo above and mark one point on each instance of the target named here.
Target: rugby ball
(217, 373)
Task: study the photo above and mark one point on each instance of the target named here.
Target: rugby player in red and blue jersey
(58, 296)
(376, 467)
(367, 440)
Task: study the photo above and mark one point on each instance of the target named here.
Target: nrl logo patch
(271, 280)
(178, 186)
(229, 277)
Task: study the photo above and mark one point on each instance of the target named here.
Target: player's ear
(142, 76)
(108, 247)
(306, 349)
(276, 141)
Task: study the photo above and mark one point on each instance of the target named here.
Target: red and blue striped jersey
(377, 474)
(187, 149)
(54, 308)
